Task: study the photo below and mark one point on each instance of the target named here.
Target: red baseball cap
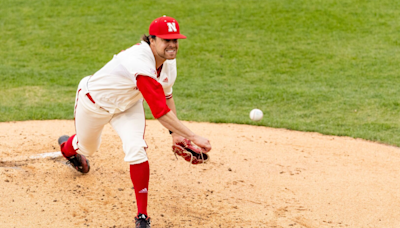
(165, 28)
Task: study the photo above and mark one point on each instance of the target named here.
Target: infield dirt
(257, 177)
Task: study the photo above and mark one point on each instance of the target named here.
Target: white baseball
(256, 114)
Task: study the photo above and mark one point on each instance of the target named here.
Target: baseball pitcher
(115, 95)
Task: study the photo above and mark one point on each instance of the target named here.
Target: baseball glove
(190, 152)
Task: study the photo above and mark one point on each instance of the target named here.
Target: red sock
(67, 149)
(140, 175)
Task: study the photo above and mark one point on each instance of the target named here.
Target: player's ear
(152, 39)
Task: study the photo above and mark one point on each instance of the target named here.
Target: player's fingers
(206, 148)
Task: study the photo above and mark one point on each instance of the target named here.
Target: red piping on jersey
(159, 70)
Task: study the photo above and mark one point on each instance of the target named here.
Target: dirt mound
(257, 177)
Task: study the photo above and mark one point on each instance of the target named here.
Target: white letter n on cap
(171, 27)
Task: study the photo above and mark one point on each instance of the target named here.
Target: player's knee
(86, 147)
(135, 154)
(87, 150)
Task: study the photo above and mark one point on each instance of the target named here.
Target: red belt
(90, 98)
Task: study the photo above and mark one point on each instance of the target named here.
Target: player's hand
(190, 152)
(176, 139)
(202, 142)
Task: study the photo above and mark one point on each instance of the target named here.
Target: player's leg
(89, 123)
(130, 126)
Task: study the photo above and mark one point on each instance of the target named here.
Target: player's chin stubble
(167, 55)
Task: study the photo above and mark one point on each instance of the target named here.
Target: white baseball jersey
(114, 88)
(111, 96)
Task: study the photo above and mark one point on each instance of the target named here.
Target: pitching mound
(257, 177)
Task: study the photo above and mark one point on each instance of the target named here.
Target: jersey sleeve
(169, 96)
(168, 77)
(153, 93)
(138, 60)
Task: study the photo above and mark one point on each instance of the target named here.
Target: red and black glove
(190, 152)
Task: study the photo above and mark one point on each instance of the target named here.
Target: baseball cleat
(77, 161)
(63, 139)
(142, 221)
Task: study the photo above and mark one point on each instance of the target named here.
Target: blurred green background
(326, 66)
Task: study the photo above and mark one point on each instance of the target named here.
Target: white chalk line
(33, 157)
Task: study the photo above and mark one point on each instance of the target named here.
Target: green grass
(328, 66)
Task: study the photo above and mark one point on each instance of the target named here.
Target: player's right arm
(153, 93)
(171, 122)
(176, 138)
(171, 105)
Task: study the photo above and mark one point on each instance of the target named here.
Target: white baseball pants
(90, 120)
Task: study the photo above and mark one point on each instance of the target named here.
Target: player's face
(166, 49)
